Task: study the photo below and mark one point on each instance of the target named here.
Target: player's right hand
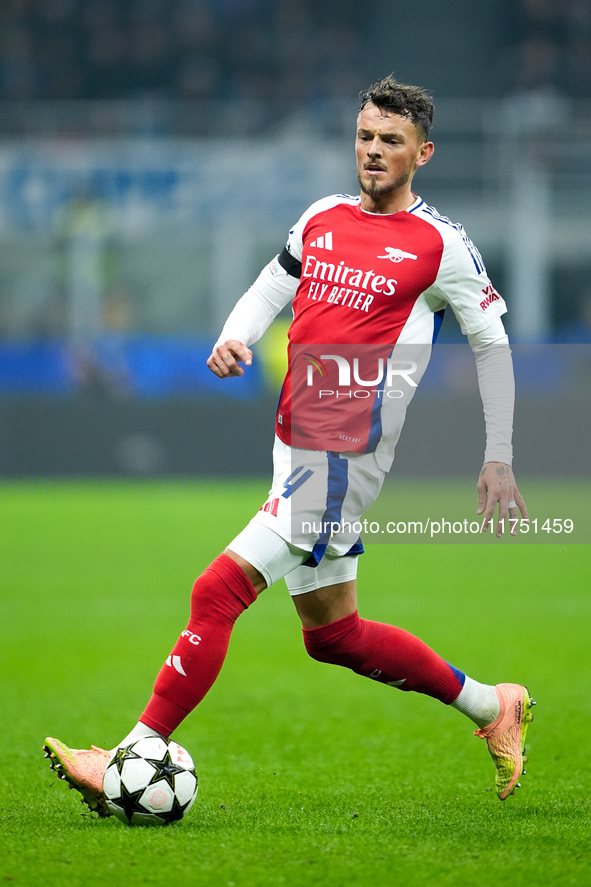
(223, 361)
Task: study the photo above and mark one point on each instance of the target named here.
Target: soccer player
(368, 278)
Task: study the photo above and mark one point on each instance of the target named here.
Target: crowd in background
(289, 50)
(550, 47)
(180, 49)
(298, 56)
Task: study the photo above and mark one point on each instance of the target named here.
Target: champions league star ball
(150, 782)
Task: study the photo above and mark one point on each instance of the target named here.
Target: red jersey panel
(374, 286)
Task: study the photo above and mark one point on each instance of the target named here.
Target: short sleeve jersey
(372, 287)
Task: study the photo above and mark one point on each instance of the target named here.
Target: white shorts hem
(275, 558)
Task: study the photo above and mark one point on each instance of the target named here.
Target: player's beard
(375, 191)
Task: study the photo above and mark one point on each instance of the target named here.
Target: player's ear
(425, 153)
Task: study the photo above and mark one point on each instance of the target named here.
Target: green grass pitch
(309, 774)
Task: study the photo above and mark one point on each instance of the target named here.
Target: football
(150, 782)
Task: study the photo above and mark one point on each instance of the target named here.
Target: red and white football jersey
(368, 306)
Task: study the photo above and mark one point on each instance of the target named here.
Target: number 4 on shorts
(296, 480)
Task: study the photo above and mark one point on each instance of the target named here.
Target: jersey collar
(411, 209)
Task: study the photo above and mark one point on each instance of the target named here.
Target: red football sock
(219, 596)
(386, 654)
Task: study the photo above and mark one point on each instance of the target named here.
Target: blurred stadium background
(154, 153)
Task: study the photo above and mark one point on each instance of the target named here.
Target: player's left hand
(496, 484)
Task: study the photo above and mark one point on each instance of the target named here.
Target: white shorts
(308, 529)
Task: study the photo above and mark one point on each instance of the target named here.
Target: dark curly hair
(397, 98)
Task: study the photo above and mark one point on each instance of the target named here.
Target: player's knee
(339, 643)
(202, 596)
(222, 591)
